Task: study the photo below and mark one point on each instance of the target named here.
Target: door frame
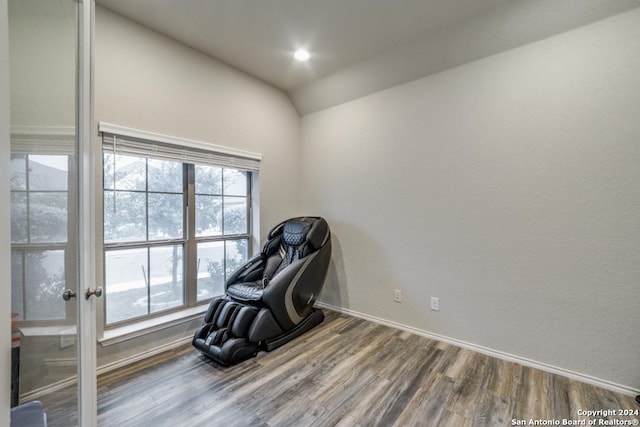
(5, 211)
(87, 340)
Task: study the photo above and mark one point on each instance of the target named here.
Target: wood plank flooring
(345, 372)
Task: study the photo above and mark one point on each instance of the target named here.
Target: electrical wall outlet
(397, 295)
(435, 304)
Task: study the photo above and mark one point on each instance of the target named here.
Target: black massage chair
(269, 300)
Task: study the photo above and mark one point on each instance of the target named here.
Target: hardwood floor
(345, 372)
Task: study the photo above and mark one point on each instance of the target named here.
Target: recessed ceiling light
(301, 55)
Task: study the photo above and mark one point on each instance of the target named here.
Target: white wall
(5, 250)
(43, 64)
(509, 188)
(147, 81)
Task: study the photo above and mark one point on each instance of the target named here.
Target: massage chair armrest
(246, 273)
(282, 295)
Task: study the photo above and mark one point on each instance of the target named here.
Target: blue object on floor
(30, 414)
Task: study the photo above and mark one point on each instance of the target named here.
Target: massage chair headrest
(296, 231)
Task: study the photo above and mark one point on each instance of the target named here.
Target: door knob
(97, 292)
(68, 294)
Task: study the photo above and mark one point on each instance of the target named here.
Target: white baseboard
(618, 388)
(71, 380)
(38, 393)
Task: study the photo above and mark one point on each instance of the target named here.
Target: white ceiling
(260, 36)
(356, 46)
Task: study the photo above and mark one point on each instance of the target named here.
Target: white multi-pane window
(173, 231)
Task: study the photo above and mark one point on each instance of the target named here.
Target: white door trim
(87, 359)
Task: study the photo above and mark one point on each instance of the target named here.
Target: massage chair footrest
(233, 350)
(225, 336)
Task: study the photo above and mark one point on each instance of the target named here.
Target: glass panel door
(45, 219)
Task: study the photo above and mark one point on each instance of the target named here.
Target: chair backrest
(292, 240)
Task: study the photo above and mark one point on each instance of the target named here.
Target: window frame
(189, 240)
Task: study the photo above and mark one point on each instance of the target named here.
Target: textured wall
(509, 188)
(43, 63)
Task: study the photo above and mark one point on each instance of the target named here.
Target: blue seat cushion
(30, 414)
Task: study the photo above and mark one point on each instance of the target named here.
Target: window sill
(47, 331)
(144, 327)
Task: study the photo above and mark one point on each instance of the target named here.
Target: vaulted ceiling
(356, 46)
